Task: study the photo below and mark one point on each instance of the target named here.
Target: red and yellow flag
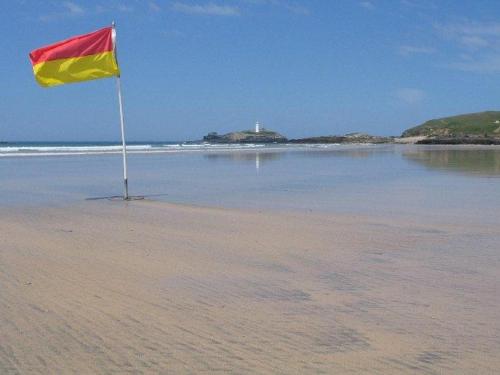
(81, 58)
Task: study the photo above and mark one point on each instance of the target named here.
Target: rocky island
(246, 136)
(269, 136)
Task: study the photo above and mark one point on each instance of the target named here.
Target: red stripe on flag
(78, 46)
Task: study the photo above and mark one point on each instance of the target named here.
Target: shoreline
(251, 148)
(300, 179)
(150, 286)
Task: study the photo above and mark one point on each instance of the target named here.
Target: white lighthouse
(257, 127)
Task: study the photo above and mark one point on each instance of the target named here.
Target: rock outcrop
(347, 138)
(246, 136)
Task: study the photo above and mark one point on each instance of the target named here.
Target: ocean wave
(69, 148)
(66, 150)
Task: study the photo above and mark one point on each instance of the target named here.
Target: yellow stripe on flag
(76, 69)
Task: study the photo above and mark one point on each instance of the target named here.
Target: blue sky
(299, 67)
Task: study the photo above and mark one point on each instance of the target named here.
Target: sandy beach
(148, 287)
(250, 187)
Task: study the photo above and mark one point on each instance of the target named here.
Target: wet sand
(145, 287)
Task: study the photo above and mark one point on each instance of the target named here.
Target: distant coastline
(482, 128)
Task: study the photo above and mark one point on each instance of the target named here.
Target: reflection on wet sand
(245, 157)
(349, 151)
(469, 161)
(261, 157)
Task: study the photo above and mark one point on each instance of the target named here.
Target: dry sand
(143, 287)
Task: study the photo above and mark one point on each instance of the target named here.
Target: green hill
(481, 124)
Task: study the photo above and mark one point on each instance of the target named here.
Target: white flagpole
(124, 145)
(122, 125)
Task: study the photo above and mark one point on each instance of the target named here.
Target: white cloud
(415, 50)
(292, 7)
(410, 95)
(419, 4)
(471, 28)
(154, 7)
(209, 9)
(114, 7)
(69, 9)
(367, 4)
(124, 8)
(73, 8)
(489, 64)
(471, 33)
(474, 41)
(479, 40)
(297, 9)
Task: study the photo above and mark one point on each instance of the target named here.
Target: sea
(442, 182)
